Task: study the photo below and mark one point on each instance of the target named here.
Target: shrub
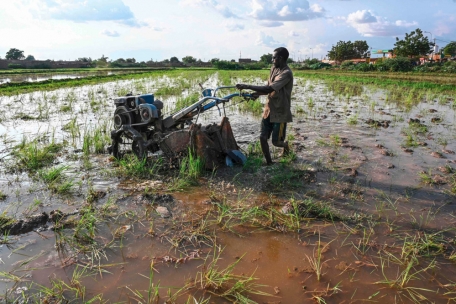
(15, 66)
(254, 66)
(41, 66)
(364, 67)
(227, 65)
(398, 64)
(320, 65)
(346, 65)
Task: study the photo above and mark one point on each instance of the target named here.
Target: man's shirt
(279, 101)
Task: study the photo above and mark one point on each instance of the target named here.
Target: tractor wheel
(121, 145)
(139, 149)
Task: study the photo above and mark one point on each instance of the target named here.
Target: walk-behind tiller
(140, 127)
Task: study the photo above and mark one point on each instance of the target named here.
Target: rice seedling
(183, 102)
(363, 244)
(32, 156)
(409, 274)
(352, 119)
(131, 166)
(55, 179)
(316, 260)
(224, 283)
(191, 169)
(426, 177)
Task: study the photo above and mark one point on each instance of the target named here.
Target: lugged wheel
(139, 149)
(121, 145)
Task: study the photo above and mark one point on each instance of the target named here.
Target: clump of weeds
(33, 155)
(131, 166)
(224, 283)
(191, 168)
(56, 180)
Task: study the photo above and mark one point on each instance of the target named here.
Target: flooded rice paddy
(42, 76)
(362, 211)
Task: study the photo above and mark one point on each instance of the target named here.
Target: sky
(206, 29)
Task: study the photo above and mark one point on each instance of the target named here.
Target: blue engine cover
(151, 109)
(149, 98)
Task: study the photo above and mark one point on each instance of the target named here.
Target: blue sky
(205, 29)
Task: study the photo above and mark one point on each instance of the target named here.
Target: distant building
(245, 60)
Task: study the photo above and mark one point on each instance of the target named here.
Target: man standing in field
(277, 111)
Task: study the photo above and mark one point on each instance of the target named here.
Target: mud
(372, 181)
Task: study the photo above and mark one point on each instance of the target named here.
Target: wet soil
(384, 169)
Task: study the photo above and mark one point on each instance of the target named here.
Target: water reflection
(37, 77)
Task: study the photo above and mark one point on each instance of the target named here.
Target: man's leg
(266, 130)
(279, 133)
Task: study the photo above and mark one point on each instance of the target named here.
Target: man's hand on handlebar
(241, 86)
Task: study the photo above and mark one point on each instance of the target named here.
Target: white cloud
(110, 33)
(266, 40)
(369, 25)
(213, 4)
(285, 10)
(293, 34)
(270, 23)
(233, 27)
(84, 10)
(157, 28)
(360, 17)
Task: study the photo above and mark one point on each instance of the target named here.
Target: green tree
(360, 48)
(174, 60)
(266, 58)
(413, 45)
(130, 60)
(30, 57)
(14, 54)
(102, 62)
(450, 48)
(345, 50)
(214, 60)
(289, 60)
(84, 59)
(188, 59)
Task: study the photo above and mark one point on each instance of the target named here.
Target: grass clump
(284, 176)
(224, 283)
(33, 156)
(5, 221)
(191, 168)
(55, 179)
(183, 102)
(131, 166)
(254, 107)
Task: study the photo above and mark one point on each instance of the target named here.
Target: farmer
(277, 112)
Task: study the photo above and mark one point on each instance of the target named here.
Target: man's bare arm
(261, 90)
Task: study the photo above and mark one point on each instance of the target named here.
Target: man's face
(276, 60)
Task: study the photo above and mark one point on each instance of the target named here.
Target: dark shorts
(277, 129)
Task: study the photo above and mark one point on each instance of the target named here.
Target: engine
(139, 110)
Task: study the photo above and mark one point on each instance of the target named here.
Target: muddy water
(331, 137)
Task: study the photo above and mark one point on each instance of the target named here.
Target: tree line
(415, 44)
(104, 62)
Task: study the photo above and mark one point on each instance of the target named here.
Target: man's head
(280, 56)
